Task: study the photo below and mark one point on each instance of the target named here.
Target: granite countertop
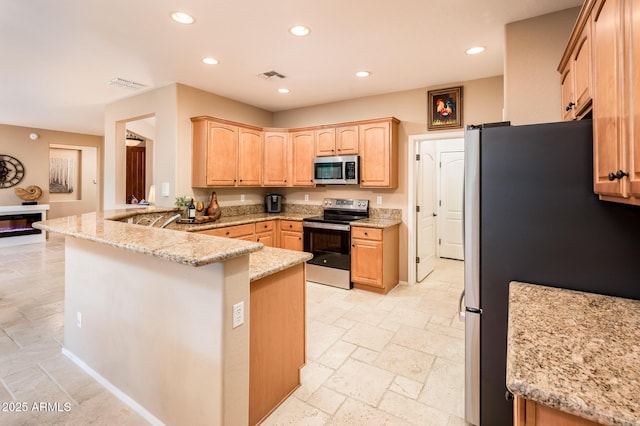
(260, 217)
(175, 246)
(574, 351)
(270, 260)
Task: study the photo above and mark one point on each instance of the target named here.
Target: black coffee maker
(273, 203)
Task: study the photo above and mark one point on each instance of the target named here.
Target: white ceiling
(57, 55)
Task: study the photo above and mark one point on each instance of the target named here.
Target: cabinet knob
(618, 175)
(353, 245)
(366, 233)
(570, 106)
(299, 238)
(227, 232)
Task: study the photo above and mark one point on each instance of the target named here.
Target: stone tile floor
(371, 360)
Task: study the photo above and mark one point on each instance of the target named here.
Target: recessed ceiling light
(475, 50)
(283, 90)
(210, 61)
(182, 17)
(363, 74)
(299, 30)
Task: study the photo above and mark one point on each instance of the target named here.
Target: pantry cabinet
(379, 154)
(276, 158)
(529, 413)
(374, 258)
(608, 31)
(303, 149)
(616, 24)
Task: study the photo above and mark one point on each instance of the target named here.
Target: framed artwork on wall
(444, 108)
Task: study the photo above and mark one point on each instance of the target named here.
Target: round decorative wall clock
(11, 171)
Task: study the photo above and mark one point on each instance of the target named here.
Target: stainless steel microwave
(342, 170)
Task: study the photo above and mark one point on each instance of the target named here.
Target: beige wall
(34, 155)
(482, 102)
(533, 49)
(194, 102)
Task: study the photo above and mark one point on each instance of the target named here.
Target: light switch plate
(165, 189)
(379, 199)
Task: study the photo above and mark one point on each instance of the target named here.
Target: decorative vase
(214, 210)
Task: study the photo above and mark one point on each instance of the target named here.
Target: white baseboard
(113, 389)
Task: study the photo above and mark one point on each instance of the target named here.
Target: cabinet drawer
(291, 225)
(265, 226)
(366, 233)
(232, 231)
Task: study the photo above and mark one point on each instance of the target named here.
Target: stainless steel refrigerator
(531, 215)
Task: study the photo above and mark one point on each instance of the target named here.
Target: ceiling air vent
(127, 84)
(271, 75)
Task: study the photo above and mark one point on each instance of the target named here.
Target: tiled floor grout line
(44, 370)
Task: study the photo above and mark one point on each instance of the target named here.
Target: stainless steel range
(328, 237)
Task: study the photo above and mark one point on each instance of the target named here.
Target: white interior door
(426, 216)
(451, 198)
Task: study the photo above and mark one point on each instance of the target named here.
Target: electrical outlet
(241, 197)
(379, 199)
(238, 315)
(165, 189)
(306, 197)
(79, 319)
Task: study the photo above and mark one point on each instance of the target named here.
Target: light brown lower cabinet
(276, 339)
(266, 233)
(529, 413)
(374, 258)
(291, 235)
(244, 232)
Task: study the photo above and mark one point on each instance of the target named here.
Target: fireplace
(12, 225)
(16, 224)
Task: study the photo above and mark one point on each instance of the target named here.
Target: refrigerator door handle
(472, 368)
(461, 308)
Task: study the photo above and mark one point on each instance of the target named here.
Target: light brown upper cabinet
(615, 107)
(276, 158)
(337, 141)
(249, 157)
(225, 154)
(379, 153)
(575, 68)
(303, 148)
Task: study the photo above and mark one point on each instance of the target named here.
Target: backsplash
(395, 214)
(310, 209)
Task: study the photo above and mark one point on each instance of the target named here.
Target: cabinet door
(633, 156)
(266, 238)
(249, 157)
(607, 98)
(376, 155)
(366, 262)
(303, 151)
(568, 107)
(276, 159)
(222, 154)
(325, 142)
(582, 71)
(291, 240)
(347, 138)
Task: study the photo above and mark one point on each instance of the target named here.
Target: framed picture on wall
(444, 108)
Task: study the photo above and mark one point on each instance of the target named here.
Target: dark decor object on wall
(11, 171)
(444, 108)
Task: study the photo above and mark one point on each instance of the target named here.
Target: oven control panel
(345, 204)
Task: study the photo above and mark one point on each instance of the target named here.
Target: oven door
(330, 245)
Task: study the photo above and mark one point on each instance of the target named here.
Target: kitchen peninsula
(573, 356)
(159, 317)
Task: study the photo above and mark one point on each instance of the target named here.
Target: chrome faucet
(170, 220)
